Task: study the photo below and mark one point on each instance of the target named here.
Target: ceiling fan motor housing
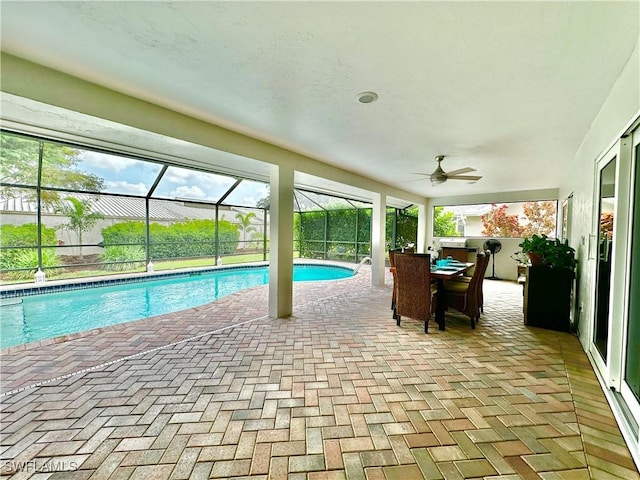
(440, 176)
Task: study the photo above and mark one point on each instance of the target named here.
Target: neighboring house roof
(469, 210)
(126, 208)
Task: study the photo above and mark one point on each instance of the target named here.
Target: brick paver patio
(336, 391)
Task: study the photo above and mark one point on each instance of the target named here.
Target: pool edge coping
(137, 278)
(25, 290)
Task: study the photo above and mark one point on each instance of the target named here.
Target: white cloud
(185, 191)
(178, 175)
(121, 186)
(107, 162)
(181, 176)
(249, 194)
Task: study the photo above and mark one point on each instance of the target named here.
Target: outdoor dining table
(440, 274)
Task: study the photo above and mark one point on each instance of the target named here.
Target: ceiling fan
(440, 176)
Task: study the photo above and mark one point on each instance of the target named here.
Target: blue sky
(135, 177)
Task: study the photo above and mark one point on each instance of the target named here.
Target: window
(505, 220)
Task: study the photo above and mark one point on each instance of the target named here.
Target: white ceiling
(498, 86)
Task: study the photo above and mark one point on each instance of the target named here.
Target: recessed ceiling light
(367, 97)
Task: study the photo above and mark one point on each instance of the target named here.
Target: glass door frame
(611, 155)
(631, 401)
(611, 373)
(611, 368)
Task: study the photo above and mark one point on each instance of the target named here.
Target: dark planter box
(547, 298)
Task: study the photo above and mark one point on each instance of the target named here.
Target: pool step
(6, 302)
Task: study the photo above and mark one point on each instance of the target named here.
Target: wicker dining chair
(464, 296)
(467, 279)
(415, 291)
(392, 268)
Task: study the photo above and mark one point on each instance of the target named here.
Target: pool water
(51, 315)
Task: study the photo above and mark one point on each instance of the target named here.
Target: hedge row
(192, 238)
(406, 230)
(309, 231)
(26, 236)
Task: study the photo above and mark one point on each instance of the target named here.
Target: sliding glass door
(615, 256)
(630, 385)
(604, 239)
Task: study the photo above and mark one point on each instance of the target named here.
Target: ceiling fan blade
(471, 178)
(460, 171)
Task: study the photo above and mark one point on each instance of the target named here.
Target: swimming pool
(36, 317)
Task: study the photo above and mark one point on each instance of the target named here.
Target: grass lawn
(207, 262)
(160, 265)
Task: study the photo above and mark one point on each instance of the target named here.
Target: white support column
(378, 233)
(281, 242)
(423, 223)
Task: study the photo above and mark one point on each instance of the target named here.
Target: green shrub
(340, 226)
(256, 242)
(406, 229)
(28, 258)
(192, 238)
(22, 236)
(124, 233)
(342, 251)
(132, 256)
(26, 236)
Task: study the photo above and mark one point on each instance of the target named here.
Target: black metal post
(264, 235)
(326, 228)
(300, 239)
(39, 206)
(357, 215)
(217, 237)
(395, 228)
(147, 230)
(147, 214)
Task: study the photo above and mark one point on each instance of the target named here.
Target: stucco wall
(615, 116)
(506, 267)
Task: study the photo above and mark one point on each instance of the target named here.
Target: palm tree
(81, 217)
(245, 222)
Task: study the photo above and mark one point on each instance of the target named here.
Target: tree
(264, 202)
(81, 217)
(407, 226)
(19, 165)
(606, 225)
(540, 218)
(444, 223)
(245, 222)
(498, 223)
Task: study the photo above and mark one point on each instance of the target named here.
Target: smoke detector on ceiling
(367, 97)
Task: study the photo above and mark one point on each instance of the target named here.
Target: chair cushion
(454, 286)
(460, 279)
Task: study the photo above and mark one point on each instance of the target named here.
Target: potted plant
(548, 285)
(549, 252)
(536, 247)
(559, 255)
